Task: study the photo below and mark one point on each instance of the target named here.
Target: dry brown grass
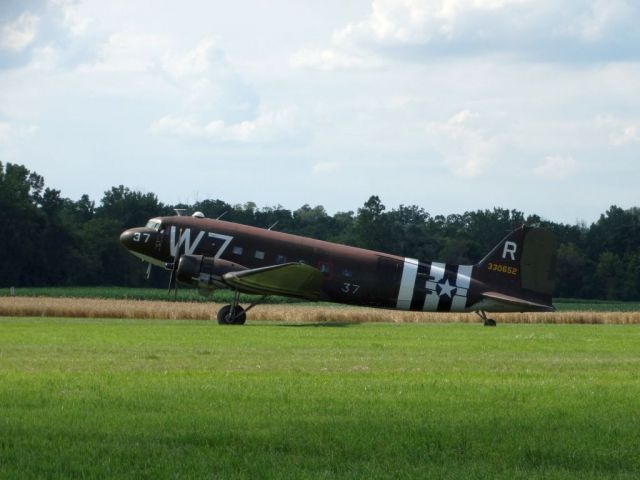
(97, 308)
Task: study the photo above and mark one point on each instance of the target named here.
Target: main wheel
(489, 322)
(238, 317)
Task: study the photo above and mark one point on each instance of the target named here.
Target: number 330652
(503, 268)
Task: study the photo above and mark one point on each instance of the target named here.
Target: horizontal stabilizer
(289, 279)
(514, 304)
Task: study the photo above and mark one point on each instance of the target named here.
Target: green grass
(570, 304)
(178, 399)
(224, 296)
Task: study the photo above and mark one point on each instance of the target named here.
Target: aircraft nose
(126, 238)
(141, 240)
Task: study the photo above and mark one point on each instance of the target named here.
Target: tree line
(49, 240)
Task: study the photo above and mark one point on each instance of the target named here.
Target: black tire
(489, 322)
(240, 316)
(223, 315)
(226, 318)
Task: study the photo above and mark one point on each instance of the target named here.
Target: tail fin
(519, 270)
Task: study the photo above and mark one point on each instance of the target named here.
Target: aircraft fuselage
(516, 276)
(350, 275)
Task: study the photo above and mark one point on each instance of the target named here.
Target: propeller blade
(148, 274)
(174, 267)
(171, 277)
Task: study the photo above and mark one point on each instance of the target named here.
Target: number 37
(137, 237)
(351, 288)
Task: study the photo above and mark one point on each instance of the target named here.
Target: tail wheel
(488, 322)
(228, 315)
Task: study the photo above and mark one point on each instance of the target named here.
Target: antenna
(180, 211)
(274, 224)
(222, 215)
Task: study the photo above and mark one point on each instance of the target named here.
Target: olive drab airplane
(516, 276)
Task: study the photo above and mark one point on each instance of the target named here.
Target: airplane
(516, 276)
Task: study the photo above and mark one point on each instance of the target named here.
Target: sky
(452, 105)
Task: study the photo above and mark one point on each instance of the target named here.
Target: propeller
(174, 267)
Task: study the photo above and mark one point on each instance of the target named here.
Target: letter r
(510, 249)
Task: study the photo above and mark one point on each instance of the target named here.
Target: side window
(281, 259)
(324, 267)
(237, 250)
(259, 255)
(347, 273)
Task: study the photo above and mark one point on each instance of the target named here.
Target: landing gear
(488, 322)
(234, 314)
(226, 317)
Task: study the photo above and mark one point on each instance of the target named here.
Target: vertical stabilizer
(521, 266)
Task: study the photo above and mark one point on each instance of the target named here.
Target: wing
(288, 279)
(495, 301)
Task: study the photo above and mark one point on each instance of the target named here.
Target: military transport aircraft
(516, 276)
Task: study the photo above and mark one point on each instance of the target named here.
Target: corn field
(321, 313)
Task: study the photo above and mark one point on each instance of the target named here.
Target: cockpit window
(155, 224)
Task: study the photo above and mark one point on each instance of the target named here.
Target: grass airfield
(189, 399)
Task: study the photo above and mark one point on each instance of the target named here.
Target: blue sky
(452, 105)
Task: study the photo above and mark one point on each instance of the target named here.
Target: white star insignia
(446, 288)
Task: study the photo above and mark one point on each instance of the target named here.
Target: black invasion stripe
(420, 287)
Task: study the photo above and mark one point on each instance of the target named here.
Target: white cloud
(466, 148)
(556, 167)
(266, 128)
(629, 134)
(201, 81)
(129, 52)
(424, 21)
(10, 132)
(540, 29)
(462, 117)
(45, 58)
(196, 62)
(325, 167)
(598, 18)
(210, 87)
(20, 34)
(77, 23)
(332, 59)
(442, 91)
(620, 131)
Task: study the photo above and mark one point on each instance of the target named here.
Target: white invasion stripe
(463, 280)
(464, 276)
(431, 302)
(459, 302)
(409, 274)
(432, 299)
(437, 271)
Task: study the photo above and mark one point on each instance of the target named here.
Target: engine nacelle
(202, 272)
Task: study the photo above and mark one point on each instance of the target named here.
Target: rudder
(523, 260)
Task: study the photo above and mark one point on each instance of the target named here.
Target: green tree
(616, 231)
(53, 240)
(130, 208)
(372, 228)
(213, 208)
(608, 281)
(573, 272)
